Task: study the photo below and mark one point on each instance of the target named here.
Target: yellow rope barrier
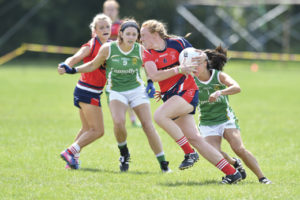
(71, 50)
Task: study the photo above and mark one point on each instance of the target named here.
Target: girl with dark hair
(217, 119)
(179, 94)
(125, 88)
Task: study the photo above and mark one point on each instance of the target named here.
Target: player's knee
(158, 117)
(147, 126)
(239, 150)
(97, 132)
(119, 123)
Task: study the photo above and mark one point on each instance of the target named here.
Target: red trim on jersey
(166, 59)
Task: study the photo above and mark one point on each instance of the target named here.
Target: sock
(160, 157)
(123, 148)
(74, 149)
(185, 145)
(225, 167)
(76, 156)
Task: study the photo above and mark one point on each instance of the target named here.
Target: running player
(125, 88)
(217, 119)
(87, 91)
(179, 93)
(111, 9)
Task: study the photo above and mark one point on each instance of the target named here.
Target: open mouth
(105, 34)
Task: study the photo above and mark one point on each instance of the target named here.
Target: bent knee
(98, 132)
(239, 150)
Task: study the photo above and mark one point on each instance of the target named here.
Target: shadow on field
(191, 183)
(115, 172)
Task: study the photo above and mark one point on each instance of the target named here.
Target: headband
(129, 24)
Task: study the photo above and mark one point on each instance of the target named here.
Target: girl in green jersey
(125, 88)
(217, 119)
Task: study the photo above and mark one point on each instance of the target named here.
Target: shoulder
(178, 43)
(90, 43)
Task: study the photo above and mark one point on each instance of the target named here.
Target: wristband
(218, 93)
(179, 69)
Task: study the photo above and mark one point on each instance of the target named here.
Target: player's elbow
(153, 77)
(238, 89)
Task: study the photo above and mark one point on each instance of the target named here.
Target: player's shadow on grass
(95, 170)
(190, 183)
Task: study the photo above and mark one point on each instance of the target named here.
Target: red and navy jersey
(93, 81)
(115, 27)
(169, 58)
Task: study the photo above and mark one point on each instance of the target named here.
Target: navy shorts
(86, 97)
(190, 95)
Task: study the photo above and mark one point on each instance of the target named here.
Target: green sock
(160, 157)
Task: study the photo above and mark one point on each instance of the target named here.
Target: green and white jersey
(216, 112)
(123, 68)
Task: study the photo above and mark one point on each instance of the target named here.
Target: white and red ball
(187, 54)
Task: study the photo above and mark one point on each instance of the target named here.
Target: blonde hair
(155, 26)
(97, 18)
(114, 2)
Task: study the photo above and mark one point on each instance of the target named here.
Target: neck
(102, 40)
(161, 44)
(124, 46)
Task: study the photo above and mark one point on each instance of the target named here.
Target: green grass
(38, 120)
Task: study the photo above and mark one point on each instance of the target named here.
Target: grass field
(38, 121)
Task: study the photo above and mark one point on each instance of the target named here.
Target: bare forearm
(71, 61)
(161, 75)
(231, 90)
(86, 67)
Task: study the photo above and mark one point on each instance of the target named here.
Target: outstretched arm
(76, 58)
(232, 87)
(96, 62)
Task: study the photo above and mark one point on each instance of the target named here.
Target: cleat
(189, 160)
(68, 166)
(238, 165)
(231, 179)
(264, 180)
(164, 167)
(124, 163)
(70, 160)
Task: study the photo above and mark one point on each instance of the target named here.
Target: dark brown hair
(217, 58)
(129, 22)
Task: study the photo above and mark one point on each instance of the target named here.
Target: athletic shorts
(190, 95)
(218, 130)
(87, 97)
(132, 98)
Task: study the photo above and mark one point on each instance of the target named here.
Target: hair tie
(129, 24)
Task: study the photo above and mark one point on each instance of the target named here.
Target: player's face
(103, 29)
(202, 62)
(112, 11)
(147, 38)
(129, 35)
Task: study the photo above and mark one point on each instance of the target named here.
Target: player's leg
(133, 119)
(94, 118)
(118, 113)
(233, 137)
(84, 125)
(188, 126)
(215, 139)
(143, 112)
(165, 115)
